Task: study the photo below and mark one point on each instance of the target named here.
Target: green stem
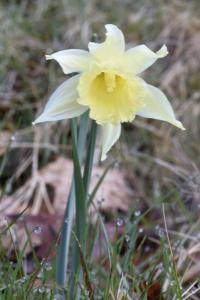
(79, 192)
(81, 210)
(90, 157)
(63, 249)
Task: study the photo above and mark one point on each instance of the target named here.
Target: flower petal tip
(162, 52)
(38, 120)
(48, 57)
(179, 125)
(103, 156)
(109, 26)
(35, 122)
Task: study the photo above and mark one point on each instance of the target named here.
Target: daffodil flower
(108, 86)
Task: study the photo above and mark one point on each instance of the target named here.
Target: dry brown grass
(158, 161)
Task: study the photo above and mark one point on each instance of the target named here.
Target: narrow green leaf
(62, 257)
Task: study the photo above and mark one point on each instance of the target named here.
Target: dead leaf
(48, 190)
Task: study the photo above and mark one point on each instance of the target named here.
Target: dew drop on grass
(35, 290)
(159, 231)
(47, 266)
(93, 273)
(48, 291)
(40, 273)
(22, 280)
(13, 138)
(42, 290)
(172, 283)
(147, 249)
(116, 164)
(137, 213)
(120, 222)
(127, 238)
(159, 267)
(37, 229)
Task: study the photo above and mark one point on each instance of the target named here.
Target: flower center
(110, 81)
(111, 97)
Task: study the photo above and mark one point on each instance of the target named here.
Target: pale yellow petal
(162, 52)
(72, 60)
(110, 134)
(158, 107)
(63, 103)
(140, 58)
(112, 46)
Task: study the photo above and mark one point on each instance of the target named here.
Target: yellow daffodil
(108, 86)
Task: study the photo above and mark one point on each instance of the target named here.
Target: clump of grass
(136, 262)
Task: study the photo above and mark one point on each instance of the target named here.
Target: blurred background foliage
(159, 162)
